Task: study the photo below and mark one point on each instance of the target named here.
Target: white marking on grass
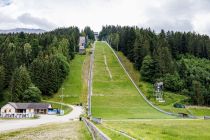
(121, 133)
(107, 68)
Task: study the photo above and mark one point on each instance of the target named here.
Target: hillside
(25, 30)
(124, 111)
(114, 96)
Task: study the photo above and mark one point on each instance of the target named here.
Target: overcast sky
(177, 15)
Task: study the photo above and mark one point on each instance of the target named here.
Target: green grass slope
(148, 89)
(73, 85)
(116, 98)
(169, 97)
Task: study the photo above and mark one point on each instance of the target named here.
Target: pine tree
(32, 94)
(63, 48)
(48, 72)
(27, 52)
(2, 78)
(148, 69)
(184, 45)
(20, 82)
(197, 91)
(163, 58)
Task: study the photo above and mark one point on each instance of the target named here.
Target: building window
(10, 110)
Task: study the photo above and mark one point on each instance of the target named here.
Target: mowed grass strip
(112, 134)
(73, 84)
(199, 111)
(71, 130)
(168, 129)
(116, 98)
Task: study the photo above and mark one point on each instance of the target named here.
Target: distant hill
(25, 30)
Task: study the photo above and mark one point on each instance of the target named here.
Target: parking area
(11, 124)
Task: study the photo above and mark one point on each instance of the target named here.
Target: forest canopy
(32, 65)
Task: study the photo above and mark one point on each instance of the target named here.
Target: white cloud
(28, 19)
(187, 15)
(5, 3)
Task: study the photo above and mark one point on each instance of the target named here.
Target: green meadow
(163, 129)
(74, 88)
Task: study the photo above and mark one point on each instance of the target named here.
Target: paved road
(17, 124)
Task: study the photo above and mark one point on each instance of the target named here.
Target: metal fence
(97, 134)
(206, 117)
(16, 115)
(96, 120)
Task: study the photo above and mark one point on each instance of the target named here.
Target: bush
(173, 82)
(32, 94)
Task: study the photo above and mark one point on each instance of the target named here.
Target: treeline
(180, 60)
(32, 65)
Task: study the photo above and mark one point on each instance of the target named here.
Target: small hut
(82, 45)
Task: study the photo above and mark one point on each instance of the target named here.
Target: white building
(16, 110)
(82, 45)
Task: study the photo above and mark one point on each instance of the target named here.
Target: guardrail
(97, 134)
(140, 92)
(206, 117)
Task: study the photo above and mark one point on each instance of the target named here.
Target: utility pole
(62, 98)
(74, 49)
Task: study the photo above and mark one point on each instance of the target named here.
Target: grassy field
(199, 111)
(74, 88)
(70, 130)
(170, 98)
(116, 98)
(112, 134)
(162, 129)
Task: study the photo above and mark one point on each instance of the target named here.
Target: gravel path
(17, 124)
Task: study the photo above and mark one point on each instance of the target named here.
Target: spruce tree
(2, 78)
(148, 69)
(20, 82)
